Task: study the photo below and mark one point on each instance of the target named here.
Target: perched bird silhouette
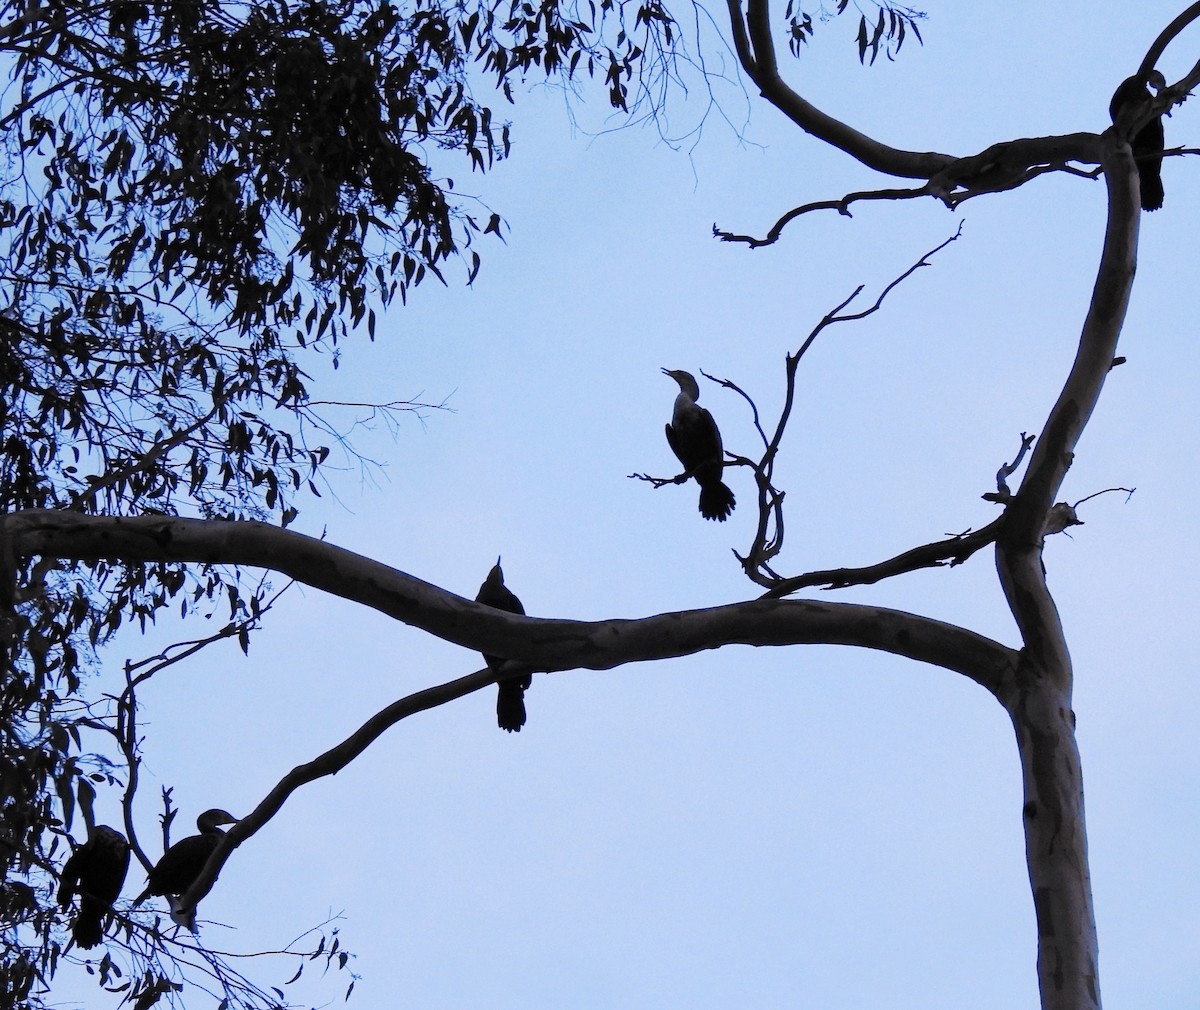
(1149, 141)
(696, 441)
(510, 701)
(96, 872)
(181, 864)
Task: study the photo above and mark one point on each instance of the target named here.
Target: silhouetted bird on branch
(696, 441)
(1149, 141)
(96, 872)
(182, 863)
(510, 699)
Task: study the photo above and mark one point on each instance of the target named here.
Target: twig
(1003, 492)
(842, 206)
(1128, 494)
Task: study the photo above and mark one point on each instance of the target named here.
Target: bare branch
(1003, 493)
(768, 536)
(842, 206)
(1012, 163)
(124, 730)
(658, 482)
(949, 553)
(1108, 490)
(1166, 36)
(728, 384)
(329, 763)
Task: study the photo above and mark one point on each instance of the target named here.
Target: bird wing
(671, 441)
(511, 603)
(70, 875)
(713, 433)
(695, 439)
(182, 863)
(1131, 91)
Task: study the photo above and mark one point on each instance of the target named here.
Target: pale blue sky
(804, 827)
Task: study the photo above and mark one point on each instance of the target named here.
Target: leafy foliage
(884, 31)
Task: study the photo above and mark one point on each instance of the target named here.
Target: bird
(183, 862)
(96, 872)
(696, 441)
(510, 699)
(1149, 141)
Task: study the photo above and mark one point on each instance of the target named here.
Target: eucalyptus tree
(197, 199)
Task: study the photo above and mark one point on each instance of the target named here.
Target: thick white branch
(542, 643)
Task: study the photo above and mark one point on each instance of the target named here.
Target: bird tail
(87, 930)
(1152, 189)
(510, 704)
(716, 501)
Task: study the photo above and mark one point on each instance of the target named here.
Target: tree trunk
(1056, 843)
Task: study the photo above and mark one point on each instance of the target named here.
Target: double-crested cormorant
(181, 864)
(696, 441)
(510, 701)
(1149, 141)
(96, 872)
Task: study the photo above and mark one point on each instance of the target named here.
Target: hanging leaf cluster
(883, 31)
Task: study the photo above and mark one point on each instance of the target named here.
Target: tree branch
(768, 536)
(1166, 36)
(950, 552)
(544, 644)
(842, 206)
(329, 763)
(1019, 547)
(756, 52)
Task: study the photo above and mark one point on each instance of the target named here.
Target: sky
(811, 827)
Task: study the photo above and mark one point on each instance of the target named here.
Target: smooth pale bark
(545, 644)
(1040, 700)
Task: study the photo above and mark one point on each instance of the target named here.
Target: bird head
(212, 819)
(687, 382)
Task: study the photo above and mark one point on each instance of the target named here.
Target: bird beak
(497, 559)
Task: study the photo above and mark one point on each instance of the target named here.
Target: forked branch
(767, 542)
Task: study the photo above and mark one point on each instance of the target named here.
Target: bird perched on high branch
(96, 872)
(182, 863)
(510, 699)
(1149, 141)
(696, 441)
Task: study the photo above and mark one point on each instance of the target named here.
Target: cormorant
(696, 441)
(96, 872)
(510, 701)
(181, 864)
(1149, 141)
